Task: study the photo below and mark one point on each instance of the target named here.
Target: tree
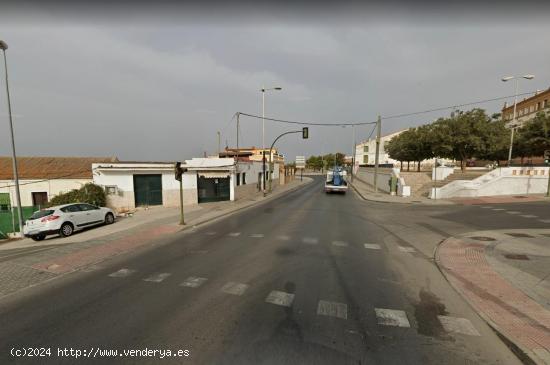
(90, 193)
(534, 136)
(414, 144)
(461, 137)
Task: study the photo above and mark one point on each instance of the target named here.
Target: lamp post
(263, 90)
(4, 47)
(514, 125)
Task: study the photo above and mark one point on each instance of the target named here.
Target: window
(4, 208)
(238, 178)
(86, 207)
(4, 202)
(365, 148)
(538, 105)
(110, 189)
(531, 108)
(244, 178)
(545, 103)
(39, 198)
(70, 209)
(41, 214)
(365, 159)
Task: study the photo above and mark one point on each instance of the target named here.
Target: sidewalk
(26, 263)
(366, 192)
(505, 276)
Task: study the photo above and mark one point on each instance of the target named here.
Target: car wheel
(66, 230)
(109, 218)
(38, 237)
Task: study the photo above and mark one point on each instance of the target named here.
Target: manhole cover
(514, 256)
(519, 235)
(483, 238)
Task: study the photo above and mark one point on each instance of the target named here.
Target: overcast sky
(157, 86)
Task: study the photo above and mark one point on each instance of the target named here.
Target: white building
(42, 178)
(365, 151)
(133, 184)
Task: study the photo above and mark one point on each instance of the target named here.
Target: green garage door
(148, 190)
(213, 189)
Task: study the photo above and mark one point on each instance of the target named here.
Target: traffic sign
(300, 162)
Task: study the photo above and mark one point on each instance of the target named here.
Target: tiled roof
(51, 167)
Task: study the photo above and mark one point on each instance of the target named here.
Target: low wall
(501, 181)
(367, 175)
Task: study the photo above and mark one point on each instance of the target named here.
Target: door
(39, 199)
(148, 190)
(89, 214)
(213, 189)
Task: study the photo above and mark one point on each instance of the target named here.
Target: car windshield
(41, 214)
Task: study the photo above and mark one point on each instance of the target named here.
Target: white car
(65, 219)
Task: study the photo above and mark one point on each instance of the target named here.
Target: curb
(244, 207)
(374, 200)
(524, 355)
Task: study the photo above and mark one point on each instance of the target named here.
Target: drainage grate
(519, 235)
(514, 256)
(483, 238)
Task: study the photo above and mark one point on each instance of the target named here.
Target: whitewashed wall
(51, 187)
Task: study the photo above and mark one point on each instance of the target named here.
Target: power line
(453, 107)
(305, 123)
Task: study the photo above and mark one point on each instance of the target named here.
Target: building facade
(254, 154)
(365, 152)
(42, 178)
(528, 108)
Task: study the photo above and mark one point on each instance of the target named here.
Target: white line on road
(193, 282)
(310, 240)
(332, 309)
(372, 246)
(458, 325)
(528, 216)
(122, 273)
(234, 234)
(544, 220)
(340, 244)
(513, 212)
(497, 209)
(283, 238)
(406, 249)
(157, 278)
(257, 235)
(280, 298)
(234, 288)
(392, 317)
(486, 207)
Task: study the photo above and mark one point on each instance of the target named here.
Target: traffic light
(305, 133)
(547, 157)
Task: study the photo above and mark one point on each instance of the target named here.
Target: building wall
(124, 182)
(528, 108)
(251, 169)
(367, 175)
(51, 187)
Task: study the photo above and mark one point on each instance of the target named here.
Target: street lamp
(263, 90)
(513, 124)
(4, 47)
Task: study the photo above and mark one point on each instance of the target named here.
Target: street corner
(466, 263)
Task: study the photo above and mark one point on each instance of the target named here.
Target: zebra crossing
(515, 213)
(385, 317)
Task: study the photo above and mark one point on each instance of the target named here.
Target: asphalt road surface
(307, 278)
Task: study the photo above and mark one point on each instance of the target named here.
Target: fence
(9, 219)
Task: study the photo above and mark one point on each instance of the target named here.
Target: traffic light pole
(182, 219)
(305, 135)
(377, 152)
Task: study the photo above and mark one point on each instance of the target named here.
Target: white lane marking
(486, 207)
(280, 298)
(92, 268)
(458, 325)
(513, 212)
(544, 220)
(234, 288)
(340, 243)
(310, 240)
(283, 238)
(193, 282)
(372, 246)
(392, 317)
(122, 273)
(257, 235)
(497, 209)
(332, 309)
(210, 233)
(529, 216)
(406, 249)
(234, 234)
(157, 278)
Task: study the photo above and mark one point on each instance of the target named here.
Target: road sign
(300, 162)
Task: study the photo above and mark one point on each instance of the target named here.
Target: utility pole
(377, 152)
(238, 114)
(353, 153)
(3, 47)
(219, 143)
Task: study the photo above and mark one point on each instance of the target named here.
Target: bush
(89, 193)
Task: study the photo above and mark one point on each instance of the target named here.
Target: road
(307, 278)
